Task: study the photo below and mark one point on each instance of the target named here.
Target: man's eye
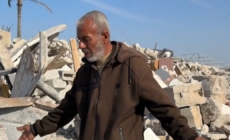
(87, 40)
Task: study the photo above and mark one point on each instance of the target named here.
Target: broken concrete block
(52, 44)
(200, 78)
(150, 135)
(62, 93)
(218, 85)
(16, 102)
(17, 45)
(50, 74)
(5, 38)
(163, 74)
(136, 46)
(25, 79)
(193, 115)
(214, 70)
(47, 99)
(65, 44)
(65, 68)
(214, 85)
(182, 78)
(50, 32)
(204, 130)
(48, 90)
(57, 65)
(38, 92)
(215, 114)
(185, 73)
(15, 40)
(192, 80)
(68, 75)
(192, 67)
(175, 82)
(5, 59)
(206, 89)
(58, 84)
(57, 62)
(149, 52)
(45, 105)
(209, 111)
(220, 121)
(186, 95)
(68, 60)
(159, 81)
(205, 71)
(217, 136)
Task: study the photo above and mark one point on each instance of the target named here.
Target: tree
(19, 7)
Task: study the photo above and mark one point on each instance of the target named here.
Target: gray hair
(99, 19)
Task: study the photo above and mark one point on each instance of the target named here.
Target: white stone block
(186, 95)
(150, 135)
(57, 83)
(50, 74)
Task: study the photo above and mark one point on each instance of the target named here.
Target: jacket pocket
(121, 134)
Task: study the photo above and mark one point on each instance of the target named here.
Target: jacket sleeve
(159, 104)
(59, 117)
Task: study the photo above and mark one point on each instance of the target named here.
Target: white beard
(99, 52)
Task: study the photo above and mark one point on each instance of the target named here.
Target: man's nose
(81, 45)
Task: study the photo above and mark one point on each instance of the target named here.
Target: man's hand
(200, 138)
(26, 133)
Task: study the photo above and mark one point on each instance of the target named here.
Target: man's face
(90, 42)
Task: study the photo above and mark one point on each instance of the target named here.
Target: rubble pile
(36, 74)
(39, 83)
(201, 92)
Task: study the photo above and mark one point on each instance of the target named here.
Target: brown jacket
(111, 106)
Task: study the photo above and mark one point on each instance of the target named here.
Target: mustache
(86, 50)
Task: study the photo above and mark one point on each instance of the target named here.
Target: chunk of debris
(186, 95)
(15, 102)
(194, 117)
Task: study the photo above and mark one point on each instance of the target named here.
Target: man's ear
(105, 35)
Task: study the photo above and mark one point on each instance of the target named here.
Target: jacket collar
(120, 53)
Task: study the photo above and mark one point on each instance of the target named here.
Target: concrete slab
(186, 95)
(15, 102)
(193, 115)
(25, 80)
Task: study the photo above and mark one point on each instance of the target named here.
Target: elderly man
(110, 92)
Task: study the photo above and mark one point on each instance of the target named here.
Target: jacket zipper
(96, 103)
(98, 95)
(121, 133)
